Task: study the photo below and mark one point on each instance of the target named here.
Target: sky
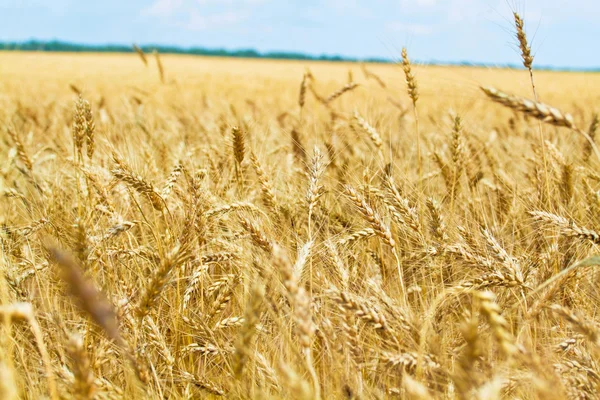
(563, 33)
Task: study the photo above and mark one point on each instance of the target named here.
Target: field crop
(190, 227)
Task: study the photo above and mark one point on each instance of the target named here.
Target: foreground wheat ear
(543, 112)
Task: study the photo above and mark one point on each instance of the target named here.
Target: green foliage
(60, 46)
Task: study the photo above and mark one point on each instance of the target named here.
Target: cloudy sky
(564, 33)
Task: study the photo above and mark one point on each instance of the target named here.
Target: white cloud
(197, 15)
(53, 6)
(417, 29)
(347, 7)
(463, 11)
(426, 3)
(231, 2)
(199, 22)
(418, 3)
(163, 7)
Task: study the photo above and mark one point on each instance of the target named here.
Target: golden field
(269, 229)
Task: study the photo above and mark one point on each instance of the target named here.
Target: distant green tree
(60, 46)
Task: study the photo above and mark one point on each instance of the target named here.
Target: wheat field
(184, 227)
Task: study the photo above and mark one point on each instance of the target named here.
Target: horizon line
(63, 46)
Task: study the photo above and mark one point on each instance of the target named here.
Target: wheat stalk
(140, 53)
(344, 89)
(161, 71)
(413, 93)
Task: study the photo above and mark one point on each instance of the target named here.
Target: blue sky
(564, 33)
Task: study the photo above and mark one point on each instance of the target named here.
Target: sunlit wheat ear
(523, 45)
(83, 127)
(362, 310)
(351, 333)
(372, 132)
(174, 259)
(298, 148)
(266, 187)
(316, 95)
(300, 300)
(315, 190)
(589, 329)
(361, 234)
(224, 296)
(401, 209)
(82, 241)
(75, 89)
(266, 371)
(411, 81)
(468, 377)
(543, 112)
(141, 54)
(203, 384)
(510, 266)
(21, 154)
(382, 230)
(370, 75)
(230, 208)
(457, 156)
(338, 93)
(82, 369)
(499, 325)
(161, 71)
(587, 150)
(470, 257)
(445, 169)
(243, 346)
(302, 94)
(437, 225)
(199, 274)
(172, 180)
(24, 311)
(567, 184)
(89, 133)
(239, 151)
(566, 227)
(295, 383)
(415, 389)
(8, 385)
(79, 127)
(100, 189)
(257, 236)
(157, 340)
(413, 93)
(141, 186)
(239, 144)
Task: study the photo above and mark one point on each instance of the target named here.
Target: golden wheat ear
(141, 54)
(540, 111)
(159, 66)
